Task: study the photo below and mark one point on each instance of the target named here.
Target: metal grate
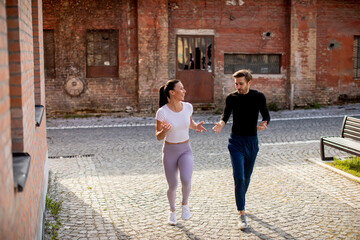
(356, 58)
(72, 156)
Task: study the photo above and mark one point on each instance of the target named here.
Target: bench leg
(322, 152)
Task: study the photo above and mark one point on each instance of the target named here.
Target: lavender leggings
(178, 157)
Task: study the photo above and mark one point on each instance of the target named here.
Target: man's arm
(264, 113)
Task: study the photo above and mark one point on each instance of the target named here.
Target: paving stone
(112, 185)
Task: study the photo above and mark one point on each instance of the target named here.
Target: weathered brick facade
(70, 20)
(337, 23)
(22, 86)
(299, 31)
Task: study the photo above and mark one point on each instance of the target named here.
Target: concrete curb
(318, 161)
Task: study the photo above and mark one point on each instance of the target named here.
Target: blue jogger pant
(243, 151)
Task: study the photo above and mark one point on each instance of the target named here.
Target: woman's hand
(165, 127)
(199, 127)
(161, 129)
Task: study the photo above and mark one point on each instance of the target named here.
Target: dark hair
(243, 73)
(164, 91)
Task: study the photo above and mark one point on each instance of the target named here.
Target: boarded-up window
(257, 63)
(49, 54)
(194, 53)
(356, 61)
(102, 53)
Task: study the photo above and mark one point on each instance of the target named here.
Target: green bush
(273, 107)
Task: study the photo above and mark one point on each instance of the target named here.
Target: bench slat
(353, 119)
(348, 147)
(342, 142)
(342, 148)
(351, 134)
(355, 129)
(353, 124)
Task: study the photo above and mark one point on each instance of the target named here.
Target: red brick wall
(70, 20)
(239, 29)
(303, 51)
(39, 83)
(19, 211)
(337, 23)
(153, 51)
(6, 176)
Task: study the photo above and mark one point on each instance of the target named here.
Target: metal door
(194, 67)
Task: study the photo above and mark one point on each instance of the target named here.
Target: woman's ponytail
(164, 91)
(163, 99)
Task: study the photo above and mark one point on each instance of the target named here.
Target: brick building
(104, 56)
(23, 156)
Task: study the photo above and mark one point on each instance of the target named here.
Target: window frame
(49, 64)
(246, 66)
(198, 65)
(103, 71)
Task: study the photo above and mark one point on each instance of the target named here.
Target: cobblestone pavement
(108, 174)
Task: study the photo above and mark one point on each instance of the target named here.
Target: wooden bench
(349, 140)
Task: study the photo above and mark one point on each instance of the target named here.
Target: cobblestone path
(112, 186)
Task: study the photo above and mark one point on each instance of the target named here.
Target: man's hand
(262, 126)
(218, 126)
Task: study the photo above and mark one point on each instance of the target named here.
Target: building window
(257, 63)
(49, 54)
(194, 53)
(102, 53)
(356, 68)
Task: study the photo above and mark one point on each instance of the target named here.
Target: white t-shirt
(180, 122)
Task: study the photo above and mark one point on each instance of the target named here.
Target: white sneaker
(185, 214)
(242, 224)
(172, 218)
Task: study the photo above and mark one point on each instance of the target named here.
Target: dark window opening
(356, 59)
(257, 63)
(102, 53)
(49, 54)
(194, 53)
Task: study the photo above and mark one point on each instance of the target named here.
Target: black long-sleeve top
(245, 109)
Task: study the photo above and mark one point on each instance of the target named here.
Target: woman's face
(178, 93)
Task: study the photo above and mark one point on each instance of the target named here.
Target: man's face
(241, 85)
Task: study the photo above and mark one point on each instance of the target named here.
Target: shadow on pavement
(186, 231)
(78, 219)
(278, 231)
